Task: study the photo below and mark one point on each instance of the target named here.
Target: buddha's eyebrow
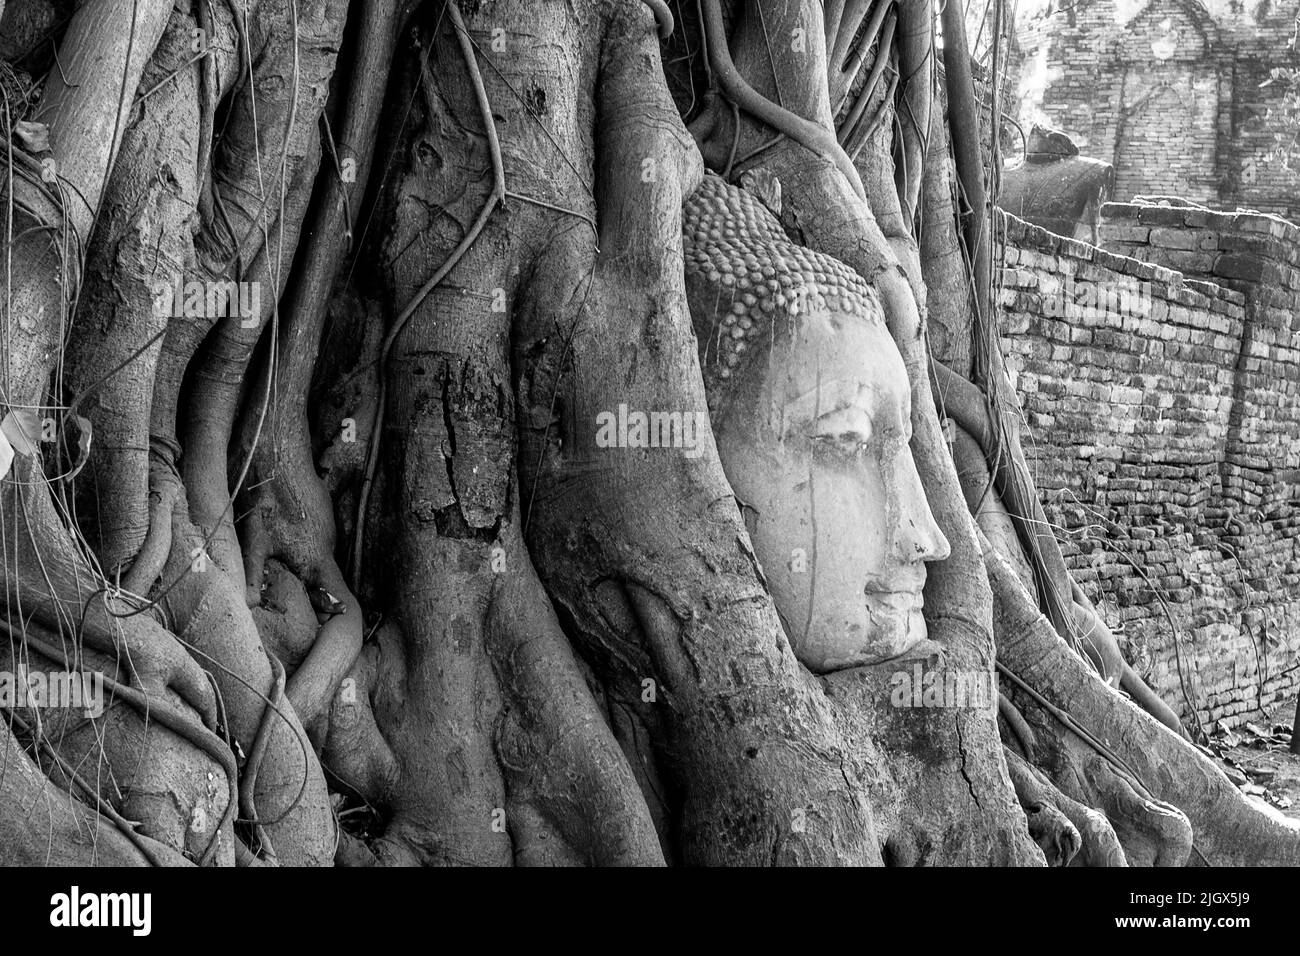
(888, 409)
(803, 411)
(832, 395)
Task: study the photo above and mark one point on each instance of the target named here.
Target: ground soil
(1254, 756)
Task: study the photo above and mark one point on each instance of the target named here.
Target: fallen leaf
(6, 455)
(22, 427)
(35, 137)
(325, 603)
(84, 432)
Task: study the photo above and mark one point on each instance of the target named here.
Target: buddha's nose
(931, 545)
(919, 536)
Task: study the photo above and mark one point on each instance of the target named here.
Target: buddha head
(811, 408)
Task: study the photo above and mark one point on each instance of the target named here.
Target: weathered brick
(1132, 415)
(1125, 232)
(1161, 215)
(1231, 265)
(1171, 238)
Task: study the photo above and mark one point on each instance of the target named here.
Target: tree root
(467, 724)
(209, 614)
(1213, 820)
(42, 826)
(288, 511)
(819, 140)
(138, 252)
(669, 593)
(496, 196)
(150, 560)
(1015, 727)
(969, 408)
(1051, 829)
(562, 760)
(663, 16)
(916, 67)
(157, 784)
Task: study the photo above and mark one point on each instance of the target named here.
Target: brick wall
(1170, 92)
(1154, 434)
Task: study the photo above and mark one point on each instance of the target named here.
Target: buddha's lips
(909, 600)
(902, 584)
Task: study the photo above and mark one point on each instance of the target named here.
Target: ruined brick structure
(1164, 435)
(1168, 91)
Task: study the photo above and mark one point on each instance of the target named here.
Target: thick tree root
(79, 623)
(40, 825)
(1050, 827)
(668, 597)
(288, 512)
(1165, 799)
(139, 251)
(1097, 844)
(207, 611)
(468, 724)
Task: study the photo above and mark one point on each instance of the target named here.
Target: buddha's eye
(844, 439)
(845, 446)
(846, 431)
(841, 451)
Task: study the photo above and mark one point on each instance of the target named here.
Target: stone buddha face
(811, 409)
